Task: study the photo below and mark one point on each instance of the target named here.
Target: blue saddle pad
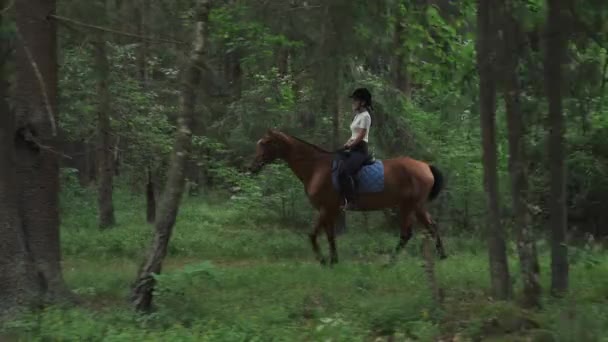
(369, 179)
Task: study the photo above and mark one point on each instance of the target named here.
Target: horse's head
(272, 146)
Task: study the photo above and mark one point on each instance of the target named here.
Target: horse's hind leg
(406, 223)
(424, 217)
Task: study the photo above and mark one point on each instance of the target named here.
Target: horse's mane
(317, 148)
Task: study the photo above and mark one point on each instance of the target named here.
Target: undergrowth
(232, 278)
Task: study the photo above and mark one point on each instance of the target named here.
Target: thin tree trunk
(402, 79)
(335, 110)
(499, 269)
(143, 287)
(37, 166)
(85, 171)
(526, 245)
(142, 12)
(283, 61)
(18, 285)
(554, 58)
(150, 198)
(328, 75)
(105, 157)
(233, 72)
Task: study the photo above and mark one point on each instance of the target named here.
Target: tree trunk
(143, 287)
(554, 57)
(329, 72)
(233, 72)
(150, 198)
(526, 245)
(283, 61)
(141, 15)
(499, 269)
(105, 157)
(18, 286)
(87, 172)
(402, 79)
(37, 166)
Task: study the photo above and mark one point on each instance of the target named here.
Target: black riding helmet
(364, 95)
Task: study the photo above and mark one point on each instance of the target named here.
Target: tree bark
(526, 245)
(37, 166)
(105, 156)
(142, 291)
(402, 79)
(499, 269)
(141, 15)
(18, 285)
(150, 198)
(329, 72)
(554, 58)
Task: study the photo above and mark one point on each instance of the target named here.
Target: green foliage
(271, 64)
(230, 279)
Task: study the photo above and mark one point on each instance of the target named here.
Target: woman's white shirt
(361, 121)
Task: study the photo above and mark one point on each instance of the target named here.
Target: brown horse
(408, 185)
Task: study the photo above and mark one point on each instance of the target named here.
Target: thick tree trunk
(499, 269)
(105, 156)
(36, 160)
(526, 245)
(554, 57)
(18, 283)
(167, 211)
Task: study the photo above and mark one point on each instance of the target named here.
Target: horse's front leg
(330, 231)
(313, 239)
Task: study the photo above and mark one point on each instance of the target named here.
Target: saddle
(369, 177)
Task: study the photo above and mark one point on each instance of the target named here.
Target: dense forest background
(111, 107)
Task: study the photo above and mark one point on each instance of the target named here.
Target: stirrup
(348, 205)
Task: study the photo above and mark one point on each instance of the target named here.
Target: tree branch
(45, 95)
(116, 32)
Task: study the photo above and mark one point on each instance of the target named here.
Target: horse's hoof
(443, 257)
(323, 262)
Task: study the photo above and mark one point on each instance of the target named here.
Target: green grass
(229, 278)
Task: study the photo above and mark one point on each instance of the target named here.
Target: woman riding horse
(356, 149)
(407, 184)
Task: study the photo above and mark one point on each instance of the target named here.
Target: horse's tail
(438, 184)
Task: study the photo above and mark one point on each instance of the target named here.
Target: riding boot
(348, 190)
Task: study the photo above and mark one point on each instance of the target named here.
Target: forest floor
(229, 279)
